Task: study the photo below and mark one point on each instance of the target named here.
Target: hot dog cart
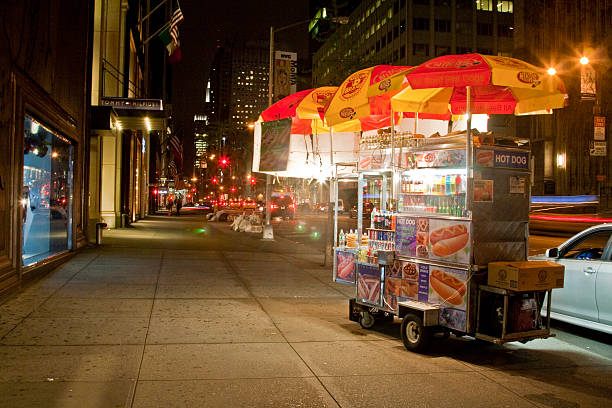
(449, 210)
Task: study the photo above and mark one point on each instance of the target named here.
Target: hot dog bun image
(484, 157)
(448, 287)
(446, 241)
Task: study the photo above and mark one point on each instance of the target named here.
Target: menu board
(405, 235)
(509, 159)
(433, 238)
(437, 285)
(440, 158)
(345, 267)
(368, 283)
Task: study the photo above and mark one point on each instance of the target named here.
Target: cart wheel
(415, 336)
(366, 320)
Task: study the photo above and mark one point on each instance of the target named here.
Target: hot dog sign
(509, 159)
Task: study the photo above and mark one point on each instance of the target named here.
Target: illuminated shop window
(46, 201)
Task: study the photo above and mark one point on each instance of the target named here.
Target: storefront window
(47, 193)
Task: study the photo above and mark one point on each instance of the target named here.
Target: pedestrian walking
(179, 204)
(169, 203)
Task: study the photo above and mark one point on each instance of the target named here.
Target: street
(178, 312)
(309, 229)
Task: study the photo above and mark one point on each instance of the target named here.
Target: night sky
(206, 22)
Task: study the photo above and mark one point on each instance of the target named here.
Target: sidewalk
(177, 312)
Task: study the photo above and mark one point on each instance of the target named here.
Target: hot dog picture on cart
(449, 240)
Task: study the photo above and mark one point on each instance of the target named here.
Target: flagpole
(156, 33)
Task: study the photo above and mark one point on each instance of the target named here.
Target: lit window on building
(505, 6)
(484, 5)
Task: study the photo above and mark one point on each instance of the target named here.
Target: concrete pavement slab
(219, 275)
(202, 291)
(78, 331)
(175, 330)
(219, 308)
(69, 363)
(346, 358)
(565, 387)
(314, 291)
(110, 308)
(425, 390)
(70, 394)
(221, 361)
(190, 254)
(543, 353)
(116, 276)
(316, 319)
(106, 290)
(238, 393)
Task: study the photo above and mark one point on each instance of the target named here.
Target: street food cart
(447, 246)
(427, 260)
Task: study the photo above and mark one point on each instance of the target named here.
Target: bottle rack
(442, 193)
(381, 240)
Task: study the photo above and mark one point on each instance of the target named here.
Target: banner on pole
(285, 74)
(275, 137)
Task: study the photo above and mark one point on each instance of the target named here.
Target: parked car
(585, 297)
(282, 206)
(367, 210)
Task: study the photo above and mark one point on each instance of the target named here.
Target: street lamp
(268, 233)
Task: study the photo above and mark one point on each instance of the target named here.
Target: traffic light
(193, 190)
(155, 192)
(223, 161)
(188, 195)
(253, 181)
(233, 189)
(214, 180)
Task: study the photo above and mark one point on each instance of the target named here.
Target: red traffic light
(253, 181)
(155, 192)
(233, 189)
(223, 161)
(193, 190)
(214, 180)
(188, 195)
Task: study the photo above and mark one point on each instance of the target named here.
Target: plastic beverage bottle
(341, 239)
(457, 184)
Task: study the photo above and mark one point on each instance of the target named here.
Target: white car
(586, 297)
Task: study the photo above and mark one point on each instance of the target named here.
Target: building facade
(128, 122)
(409, 32)
(44, 92)
(571, 156)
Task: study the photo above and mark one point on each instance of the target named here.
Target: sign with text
(133, 103)
(285, 74)
(598, 148)
(599, 128)
(509, 159)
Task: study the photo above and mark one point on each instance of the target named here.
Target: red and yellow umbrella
(364, 93)
(497, 85)
(308, 104)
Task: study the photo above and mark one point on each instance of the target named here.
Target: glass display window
(46, 203)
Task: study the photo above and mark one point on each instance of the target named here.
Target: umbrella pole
(392, 206)
(468, 154)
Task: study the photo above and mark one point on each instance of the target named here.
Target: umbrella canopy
(308, 104)
(365, 93)
(498, 85)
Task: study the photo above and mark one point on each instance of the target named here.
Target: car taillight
(273, 206)
(292, 206)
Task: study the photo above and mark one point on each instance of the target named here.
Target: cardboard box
(527, 275)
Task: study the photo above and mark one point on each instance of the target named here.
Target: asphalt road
(310, 229)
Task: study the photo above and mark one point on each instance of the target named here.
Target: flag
(177, 17)
(172, 168)
(169, 37)
(177, 149)
(173, 47)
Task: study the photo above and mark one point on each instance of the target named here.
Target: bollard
(99, 227)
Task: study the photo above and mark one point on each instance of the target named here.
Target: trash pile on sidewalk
(248, 223)
(240, 222)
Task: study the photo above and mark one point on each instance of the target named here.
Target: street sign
(599, 128)
(598, 148)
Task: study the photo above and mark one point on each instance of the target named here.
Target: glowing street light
(552, 71)
(584, 60)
